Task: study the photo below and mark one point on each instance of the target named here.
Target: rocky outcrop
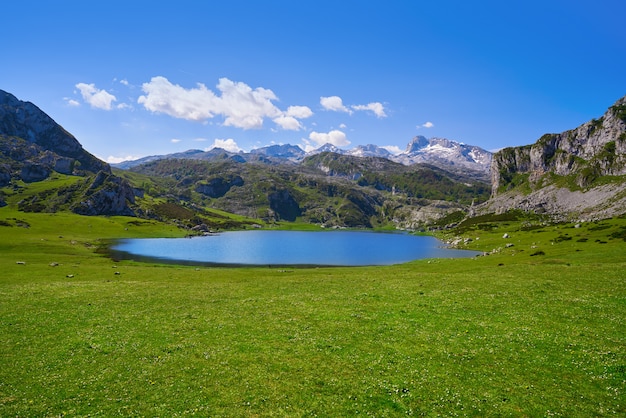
(562, 204)
(32, 172)
(106, 195)
(30, 162)
(598, 145)
(414, 215)
(26, 121)
(524, 177)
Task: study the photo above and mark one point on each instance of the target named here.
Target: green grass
(27, 190)
(509, 334)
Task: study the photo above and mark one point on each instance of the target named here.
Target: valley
(533, 326)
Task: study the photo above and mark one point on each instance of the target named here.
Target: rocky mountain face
(370, 150)
(576, 172)
(46, 145)
(447, 154)
(33, 146)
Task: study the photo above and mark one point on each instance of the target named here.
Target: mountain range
(331, 187)
(579, 173)
(443, 153)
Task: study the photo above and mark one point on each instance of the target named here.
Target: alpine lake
(287, 248)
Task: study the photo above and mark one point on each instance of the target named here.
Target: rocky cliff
(579, 171)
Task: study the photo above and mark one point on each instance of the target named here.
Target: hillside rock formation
(577, 172)
(46, 147)
(106, 195)
(33, 146)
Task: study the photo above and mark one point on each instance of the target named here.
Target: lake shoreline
(282, 249)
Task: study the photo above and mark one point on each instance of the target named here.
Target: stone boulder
(32, 172)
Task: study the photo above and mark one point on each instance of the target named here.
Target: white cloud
(394, 149)
(200, 139)
(71, 102)
(288, 123)
(289, 120)
(164, 97)
(227, 144)
(334, 103)
(300, 112)
(114, 160)
(99, 99)
(243, 107)
(306, 145)
(175, 140)
(334, 137)
(343, 126)
(124, 82)
(239, 104)
(376, 107)
(427, 125)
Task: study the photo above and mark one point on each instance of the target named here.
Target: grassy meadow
(537, 328)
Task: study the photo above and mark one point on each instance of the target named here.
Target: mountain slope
(580, 172)
(447, 154)
(33, 148)
(329, 189)
(44, 143)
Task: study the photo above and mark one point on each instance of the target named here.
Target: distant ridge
(439, 152)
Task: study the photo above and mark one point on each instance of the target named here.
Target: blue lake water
(289, 248)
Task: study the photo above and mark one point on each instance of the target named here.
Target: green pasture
(536, 328)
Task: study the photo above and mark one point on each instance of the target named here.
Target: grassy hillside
(327, 189)
(535, 329)
(59, 193)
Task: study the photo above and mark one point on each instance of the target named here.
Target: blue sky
(137, 78)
